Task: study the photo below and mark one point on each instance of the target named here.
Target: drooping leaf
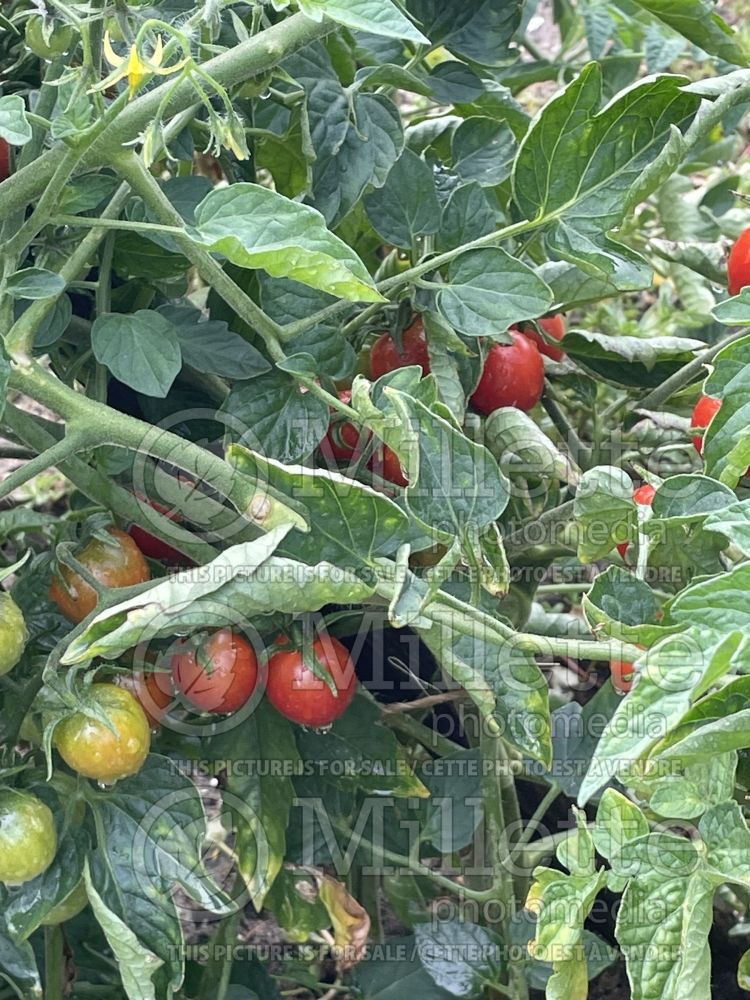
(141, 350)
(258, 228)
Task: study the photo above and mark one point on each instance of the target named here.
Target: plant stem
(552, 793)
(518, 542)
(75, 440)
(217, 972)
(579, 451)
(20, 337)
(54, 963)
(105, 492)
(687, 373)
(496, 774)
(239, 63)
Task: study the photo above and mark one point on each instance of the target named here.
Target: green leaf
(698, 21)
(679, 936)
(454, 82)
(34, 283)
(244, 581)
(718, 603)
(210, 346)
(455, 786)
(733, 522)
(467, 215)
(359, 752)
(490, 290)
(373, 142)
(381, 17)
(458, 486)
(480, 31)
(668, 679)
(483, 150)
(15, 128)
(603, 509)
(403, 975)
(354, 524)
(257, 228)
(273, 416)
(141, 350)
(523, 450)
(406, 206)
(503, 681)
(717, 724)
(17, 961)
(618, 821)
(623, 607)
(460, 957)
(137, 963)
(150, 831)
(580, 166)
(630, 361)
(726, 443)
(258, 800)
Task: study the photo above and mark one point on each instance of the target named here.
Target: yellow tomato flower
(136, 67)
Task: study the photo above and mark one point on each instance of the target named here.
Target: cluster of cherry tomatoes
(218, 672)
(513, 375)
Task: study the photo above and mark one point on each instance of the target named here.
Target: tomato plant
(113, 561)
(300, 693)
(351, 356)
(218, 674)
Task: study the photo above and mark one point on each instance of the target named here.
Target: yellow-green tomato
(13, 634)
(28, 840)
(47, 45)
(93, 750)
(70, 907)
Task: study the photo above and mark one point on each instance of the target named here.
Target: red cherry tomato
(220, 674)
(295, 691)
(705, 410)
(385, 356)
(643, 495)
(153, 690)
(622, 675)
(114, 563)
(556, 328)
(4, 160)
(738, 266)
(153, 547)
(513, 375)
(385, 463)
(343, 441)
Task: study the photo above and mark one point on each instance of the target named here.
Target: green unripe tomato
(47, 46)
(28, 840)
(13, 634)
(70, 907)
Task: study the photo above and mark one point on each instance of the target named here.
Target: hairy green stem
(104, 491)
(234, 66)
(20, 338)
(75, 440)
(688, 373)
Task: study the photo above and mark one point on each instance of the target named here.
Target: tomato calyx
(391, 350)
(296, 690)
(216, 672)
(643, 496)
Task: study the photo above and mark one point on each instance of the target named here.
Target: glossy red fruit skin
(298, 694)
(343, 441)
(556, 327)
(220, 675)
(4, 160)
(643, 495)
(704, 412)
(119, 563)
(385, 356)
(513, 375)
(385, 463)
(622, 675)
(738, 265)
